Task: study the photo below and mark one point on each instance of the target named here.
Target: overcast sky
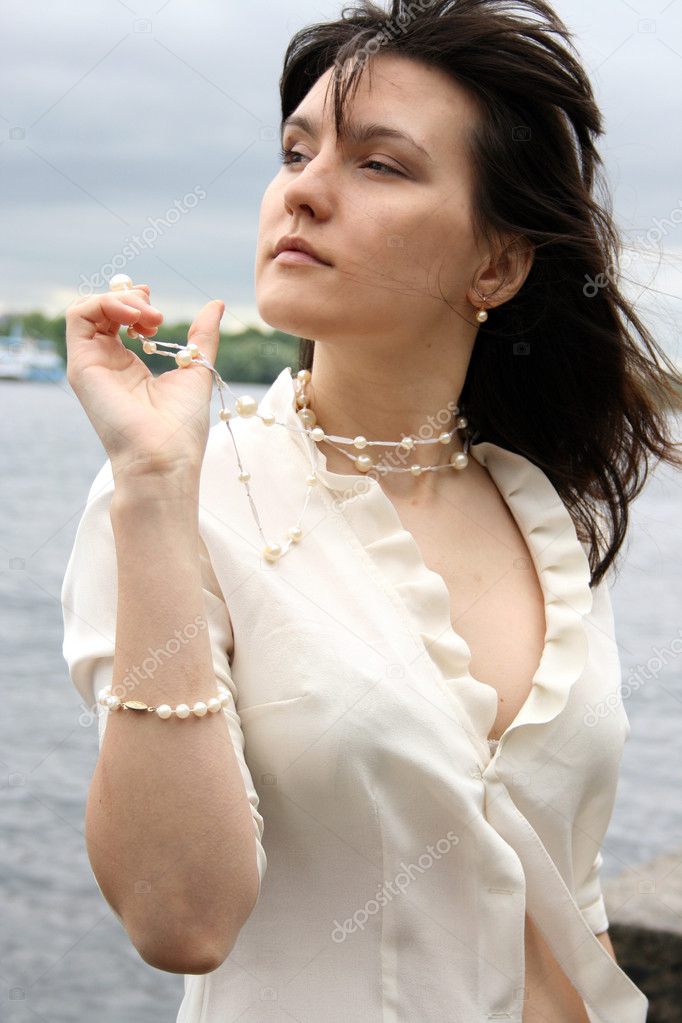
(113, 114)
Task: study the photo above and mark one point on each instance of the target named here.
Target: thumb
(205, 329)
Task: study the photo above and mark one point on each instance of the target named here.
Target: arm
(169, 829)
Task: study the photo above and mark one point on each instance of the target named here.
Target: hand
(148, 425)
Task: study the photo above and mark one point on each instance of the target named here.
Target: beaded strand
(106, 698)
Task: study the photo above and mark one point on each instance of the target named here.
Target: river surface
(63, 954)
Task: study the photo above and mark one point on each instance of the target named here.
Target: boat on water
(28, 358)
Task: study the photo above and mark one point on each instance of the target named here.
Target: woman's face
(393, 220)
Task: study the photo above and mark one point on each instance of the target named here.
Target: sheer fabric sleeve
(89, 601)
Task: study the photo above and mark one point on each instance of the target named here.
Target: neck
(386, 399)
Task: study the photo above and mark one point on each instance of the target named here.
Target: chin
(292, 314)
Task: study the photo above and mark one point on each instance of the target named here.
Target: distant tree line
(251, 356)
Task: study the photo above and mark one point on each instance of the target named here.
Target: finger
(205, 330)
(117, 308)
(135, 331)
(143, 290)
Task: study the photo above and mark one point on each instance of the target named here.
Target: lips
(292, 243)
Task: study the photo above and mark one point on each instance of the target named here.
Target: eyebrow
(356, 133)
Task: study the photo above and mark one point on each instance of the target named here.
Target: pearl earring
(481, 315)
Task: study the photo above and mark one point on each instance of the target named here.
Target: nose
(309, 191)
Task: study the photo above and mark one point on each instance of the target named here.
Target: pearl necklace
(364, 463)
(247, 407)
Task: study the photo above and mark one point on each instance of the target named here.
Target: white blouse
(398, 851)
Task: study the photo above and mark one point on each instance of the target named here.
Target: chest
(496, 601)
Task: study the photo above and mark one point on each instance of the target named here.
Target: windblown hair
(556, 373)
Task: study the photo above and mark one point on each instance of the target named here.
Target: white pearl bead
(481, 316)
(183, 358)
(459, 460)
(462, 423)
(407, 443)
(416, 470)
(246, 406)
(307, 417)
(225, 414)
(149, 346)
(119, 282)
(360, 442)
(311, 479)
(303, 375)
(112, 702)
(132, 333)
(244, 476)
(317, 433)
(272, 551)
(268, 419)
(164, 711)
(224, 698)
(193, 350)
(102, 694)
(301, 400)
(214, 705)
(182, 710)
(444, 438)
(363, 463)
(295, 533)
(200, 709)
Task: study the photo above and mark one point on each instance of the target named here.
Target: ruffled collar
(548, 529)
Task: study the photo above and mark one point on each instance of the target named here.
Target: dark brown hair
(556, 373)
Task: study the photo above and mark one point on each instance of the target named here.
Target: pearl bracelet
(106, 698)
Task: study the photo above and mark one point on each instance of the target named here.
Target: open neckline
(421, 593)
(329, 477)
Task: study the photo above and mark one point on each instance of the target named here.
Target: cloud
(119, 110)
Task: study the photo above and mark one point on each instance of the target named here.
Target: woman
(407, 665)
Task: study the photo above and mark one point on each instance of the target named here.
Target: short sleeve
(89, 602)
(590, 898)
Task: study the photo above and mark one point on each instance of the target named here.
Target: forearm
(168, 825)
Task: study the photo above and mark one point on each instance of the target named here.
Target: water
(63, 954)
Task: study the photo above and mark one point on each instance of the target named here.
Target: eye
(286, 156)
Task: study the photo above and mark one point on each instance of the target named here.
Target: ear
(506, 272)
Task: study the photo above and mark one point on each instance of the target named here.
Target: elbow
(197, 954)
(187, 941)
(194, 947)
